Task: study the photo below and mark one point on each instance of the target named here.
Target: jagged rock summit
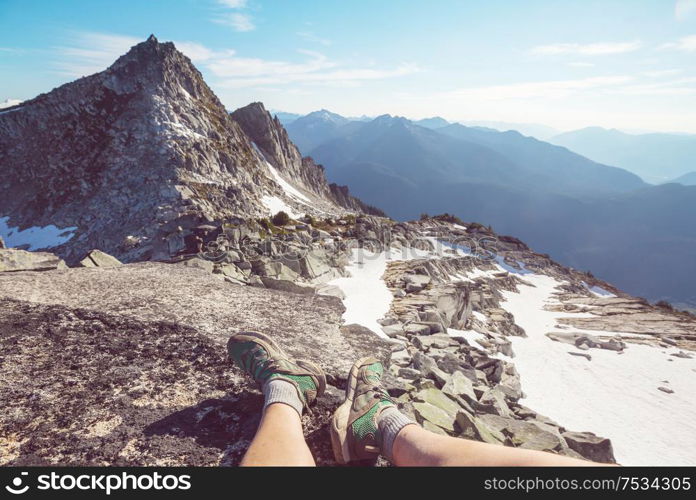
(115, 158)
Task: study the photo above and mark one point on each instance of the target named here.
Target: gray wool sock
(282, 391)
(390, 422)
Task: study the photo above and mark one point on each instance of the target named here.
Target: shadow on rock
(228, 424)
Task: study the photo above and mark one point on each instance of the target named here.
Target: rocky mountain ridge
(175, 399)
(119, 158)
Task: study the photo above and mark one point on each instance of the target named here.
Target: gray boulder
(393, 330)
(416, 282)
(590, 446)
(429, 369)
(417, 329)
(459, 385)
(474, 428)
(14, 259)
(272, 269)
(234, 272)
(198, 263)
(97, 258)
(330, 290)
(534, 435)
(315, 265)
(287, 286)
(495, 399)
(435, 415)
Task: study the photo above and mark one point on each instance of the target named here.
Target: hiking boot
(355, 434)
(260, 357)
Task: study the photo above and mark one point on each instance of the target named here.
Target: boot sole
(339, 421)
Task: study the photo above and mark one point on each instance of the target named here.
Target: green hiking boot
(260, 357)
(354, 431)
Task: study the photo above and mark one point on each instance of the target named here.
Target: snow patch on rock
(367, 297)
(7, 103)
(35, 237)
(289, 189)
(598, 290)
(275, 205)
(614, 395)
(472, 335)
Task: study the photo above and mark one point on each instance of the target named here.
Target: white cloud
(89, 52)
(554, 89)
(233, 4)
(580, 64)
(236, 20)
(588, 49)
(311, 37)
(680, 87)
(662, 72)
(196, 51)
(240, 22)
(686, 44)
(238, 72)
(684, 9)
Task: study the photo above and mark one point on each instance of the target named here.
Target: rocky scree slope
(452, 315)
(126, 365)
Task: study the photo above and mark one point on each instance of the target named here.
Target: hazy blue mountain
(586, 215)
(400, 149)
(285, 118)
(571, 172)
(541, 132)
(308, 131)
(656, 158)
(432, 123)
(456, 153)
(686, 179)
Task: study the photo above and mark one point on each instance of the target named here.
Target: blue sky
(627, 64)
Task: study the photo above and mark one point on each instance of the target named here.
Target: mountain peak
(148, 54)
(143, 147)
(389, 120)
(434, 122)
(326, 115)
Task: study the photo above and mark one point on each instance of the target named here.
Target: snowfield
(367, 297)
(471, 335)
(289, 189)
(36, 237)
(275, 205)
(7, 103)
(598, 290)
(613, 395)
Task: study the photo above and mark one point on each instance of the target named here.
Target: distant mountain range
(585, 214)
(657, 158)
(541, 132)
(315, 128)
(686, 179)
